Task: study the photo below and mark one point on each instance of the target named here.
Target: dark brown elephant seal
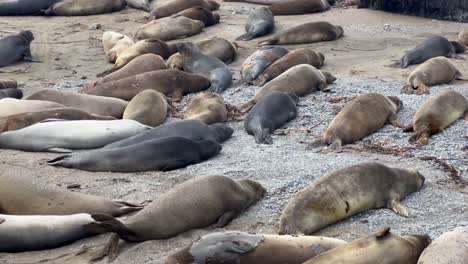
(449, 248)
(346, 192)
(381, 247)
(175, 6)
(10, 106)
(201, 14)
(148, 107)
(248, 248)
(8, 83)
(256, 63)
(360, 118)
(85, 7)
(169, 28)
(259, 23)
(436, 114)
(293, 58)
(463, 36)
(306, 33)
(298, 7)
(208, 108)
(11, 93)
(15, 48)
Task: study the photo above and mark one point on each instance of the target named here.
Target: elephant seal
(306, 33)
(463, 37)
(8, 83)
(208, 108)
(201, 14)
(346, 192)
(360, 118)
(435, 71)
(436, 114)
(139, 4)
(192, 129)
(431, 48)
(15, 48)
(270, 113)
(299, 7)
(11, 93)
(24, 7)
(169, 28)
(63, 136)
(195, 203)
(11, 106)
(85, 7)
(98, 105)
(19, 121)
(380, 247)
(256, 63)
(20, 196)
(259, 23)
(450, 247)
(293, 58)
(175, 6)
(247, 248)
(148, 107)
(214, 69)
(114, 44)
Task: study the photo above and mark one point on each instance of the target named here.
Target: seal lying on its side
(256, 63)
(259, 23)
(85, 7)
(298, 7)
(10, 106)
(15, 48)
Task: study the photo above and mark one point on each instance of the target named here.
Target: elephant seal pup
(256, 63)
(208, 108)
(201, 14)
(259, 23)
(463, 37)
(431, 48)
(63, 136)
(148, 107)
(214, 69)
(11, 106)
(299, 7)
(293, 58)
(306, 33)
(192, 129)
(380, 247)
(85, 7)
(436, 114)
(19, 121)
(346, 192)
(435, 71)
(360, 118)
(19, 196)
(139, 4)
(24, 7)
(114, 44)
(247, 248)
(270, 113)
(98, 105)
(450, 247)
(169, 28)
(8, 83)
(175, 6)
(11, 93)
(15, 48)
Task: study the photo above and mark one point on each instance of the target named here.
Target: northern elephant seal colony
(259, 23)
(306, 33)
(208, 108)
(256, 63)
(15, 48)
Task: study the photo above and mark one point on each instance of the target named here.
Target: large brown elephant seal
(169, 28)
(346, 192)
(360, 118)
(148, 107)
(463, 36)
(175, 6)
(15, 48)
(114, 44)
(381, 247)
(298, 7)
(450, 248)
(436, 114)
(201, 14)
(20, 196)
(208, 108)
(259, 23)
(196, 203)
(293, 58)
(85, 7)
(248, 248)
(306, 33)
(98, 105)
(256, 63)
(10, 106)
(8, 83)
(438, 70)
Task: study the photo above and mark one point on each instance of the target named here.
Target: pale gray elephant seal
(11, 106)
(24, 7)
(346, 192)
(298, 7)
(15, 48)
(259, 23)
(256, 63)
(248, 248)
(64, 136)
(450, 248)
(270, 113)
(11, 93)
(85, 7)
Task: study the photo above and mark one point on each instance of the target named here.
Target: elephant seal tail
(264, 137)
(246, 37)
(60, 161)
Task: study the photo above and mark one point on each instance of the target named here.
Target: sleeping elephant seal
(8, 83)
(10, 106)
(451, 247)
(191, 129)
(463, 37)
(259, 23)
(139, 4)
(248, 248)
(299, 7)
(306, 33)
(346, 192)
(256, 63)
(431, 48)
(169, 28)
(24, 7)
(20, 196)
(293, 58)
(15, 48)
(270, 113)
(196, 203)
(360, 118)
(98, 105)
(175, 6)
(208, 108)
(63, 136)
(114, 44)
(436, 114)
(85, 7)
(11, 93)
(201, 14)
(148, 107)
(381, 247)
